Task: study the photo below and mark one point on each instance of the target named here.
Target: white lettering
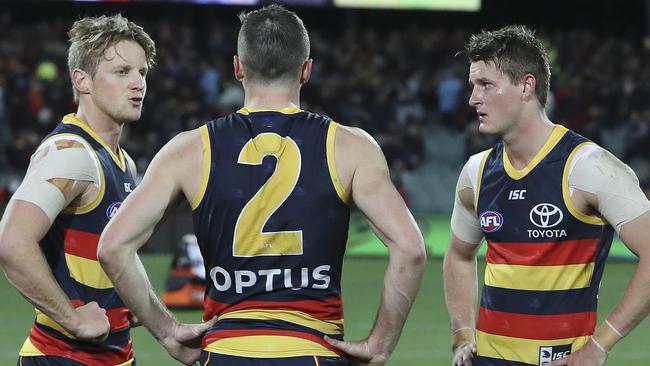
(561, 355)
(536, 233)
(517, 194)
(320, 276)
(304, 278)
(287, 278)
(239, 280)
(244, 279)
(269, 273)
(487, 221)
(227, 281)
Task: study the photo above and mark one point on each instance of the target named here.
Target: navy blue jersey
(272, 224)
(70, 247)
(545, 259)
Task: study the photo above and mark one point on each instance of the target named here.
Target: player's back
(272, 223)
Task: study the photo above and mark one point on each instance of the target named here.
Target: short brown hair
(91, 36)
(515, 52)
(272, 44)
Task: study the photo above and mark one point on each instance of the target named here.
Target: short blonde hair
(91, 36)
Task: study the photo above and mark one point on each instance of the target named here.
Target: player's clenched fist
(91, 324)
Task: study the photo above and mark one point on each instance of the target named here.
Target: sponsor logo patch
(112, 209)
(548, 354)
(546, 215)
(491, 221)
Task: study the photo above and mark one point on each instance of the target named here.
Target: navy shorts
(50, 361)
(214, 359)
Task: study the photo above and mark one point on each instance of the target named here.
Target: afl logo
(546, 215)
(491, 221)
(112, 209)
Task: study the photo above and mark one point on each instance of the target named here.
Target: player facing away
(547, 201)
(76, 181)
(270, 187)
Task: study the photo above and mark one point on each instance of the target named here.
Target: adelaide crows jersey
(272, 223)
(545, 259)
(70, 247)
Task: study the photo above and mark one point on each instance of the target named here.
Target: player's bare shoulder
(354, 147)
(357, 146)
(184, 160)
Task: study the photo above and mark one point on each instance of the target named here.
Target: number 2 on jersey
(250, 239)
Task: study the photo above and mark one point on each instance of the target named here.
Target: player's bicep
(22, 222)
(461, 250)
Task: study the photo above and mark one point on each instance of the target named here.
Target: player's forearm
(401, 284)
(29, 273)
(635, 304)
(460, 290)
(124, 268)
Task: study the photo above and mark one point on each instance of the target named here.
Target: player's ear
(238, 68)
(305, 71)
(529, 87)
(81, 81)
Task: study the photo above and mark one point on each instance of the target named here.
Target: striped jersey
(70, 247)
(545, 259)
(272, 223)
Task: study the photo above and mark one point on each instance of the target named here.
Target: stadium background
(392, 72)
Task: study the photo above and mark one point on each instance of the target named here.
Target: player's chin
(484, 127)
(132, 116)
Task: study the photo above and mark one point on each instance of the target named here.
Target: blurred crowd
(398, 83)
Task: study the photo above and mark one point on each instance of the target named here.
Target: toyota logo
(546, 215)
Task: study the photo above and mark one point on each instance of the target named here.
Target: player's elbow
(5, 254)
(414, 252)
(7, 249)
(107, 250)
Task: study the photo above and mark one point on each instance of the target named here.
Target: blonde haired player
(76, 181)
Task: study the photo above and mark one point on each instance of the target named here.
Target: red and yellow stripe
(325, 309)
(40, 343)
(81, 257)
(546, 266)
(542, 327)
(264, 343)
(324, 316)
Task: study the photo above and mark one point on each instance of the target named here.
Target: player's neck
(271, 98)
(104, 126)
(529, 136)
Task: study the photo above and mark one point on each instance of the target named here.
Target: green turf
(425, 340)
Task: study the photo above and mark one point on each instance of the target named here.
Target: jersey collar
(72, 119)
(514, 173)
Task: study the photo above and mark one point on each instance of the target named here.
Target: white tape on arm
(464, 223)
(73, 163)
(43, 194)
(620, 198)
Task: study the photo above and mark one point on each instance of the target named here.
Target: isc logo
(517, 194)
(490, 221)
(549, 354)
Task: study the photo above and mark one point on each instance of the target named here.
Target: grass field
(425, 341)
